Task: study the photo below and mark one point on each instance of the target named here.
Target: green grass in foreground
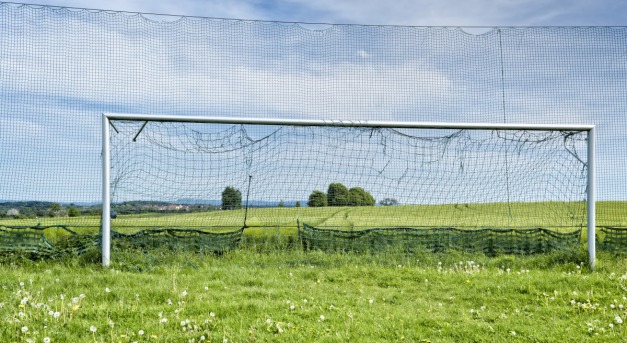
(293, 296)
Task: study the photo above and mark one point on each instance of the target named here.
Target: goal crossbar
(106, 157)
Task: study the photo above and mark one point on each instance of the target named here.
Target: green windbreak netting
(59, 240)
(61, 68)
(613, 239)
(489, 241)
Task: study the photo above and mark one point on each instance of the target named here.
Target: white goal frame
(106, 154)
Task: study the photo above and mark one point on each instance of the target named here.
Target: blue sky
(380, 12)
(57, 81)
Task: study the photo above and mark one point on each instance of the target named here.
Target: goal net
(327, 177)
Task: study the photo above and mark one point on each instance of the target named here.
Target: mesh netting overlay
(58, 240)
(62, 68)
(488, 241)
(455, 178)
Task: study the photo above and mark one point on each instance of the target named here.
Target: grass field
(263, 294)
(292, 296)
(540, 214)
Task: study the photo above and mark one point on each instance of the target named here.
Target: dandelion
(611, 325)
(56, 315)
(202, 338)
(371, 301)
(212, 314)
(513, 333)
(140, 332)
(183, 323)
(618, 320)
(22, 284)
(184, 294)
(46, 339)
(24, 329)
(93, 329)
(163, 320)
(321, 317)
(206, 289)
(292, 307)
(107, 290)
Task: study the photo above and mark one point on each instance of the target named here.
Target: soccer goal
(196, 174)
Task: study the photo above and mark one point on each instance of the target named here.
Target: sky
(63, 69)
(380, 12)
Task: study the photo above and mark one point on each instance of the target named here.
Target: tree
(388, 202)
(13, 212)
(55, 210)
(337, 195)
(73, 212)
(298, 204)
(281, 203)
(357, 196)
(317, 199)
(231, 198)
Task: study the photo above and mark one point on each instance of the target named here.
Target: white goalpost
(385, 136)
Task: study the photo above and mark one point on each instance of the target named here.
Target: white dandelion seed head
(321, 317)
(292, 307)
(57, 315)
(93, 328)
(140, 332)
(108, 290)
(24, 329)
(618, 320)
(46, 339)
(212, 314)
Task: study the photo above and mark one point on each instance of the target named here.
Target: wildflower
(371, 301)
(184, 293)
(292, 307)
(46, 339)
(206, 289)
(618, 320)
(107, 290)
(140, 332)
(212, 314)
(202, 338)
(183, 323)
(611, 325)
(93, 329)
(163, 320)
(321, 317)
(24, 329)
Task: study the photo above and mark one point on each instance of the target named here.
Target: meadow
(272, 292)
